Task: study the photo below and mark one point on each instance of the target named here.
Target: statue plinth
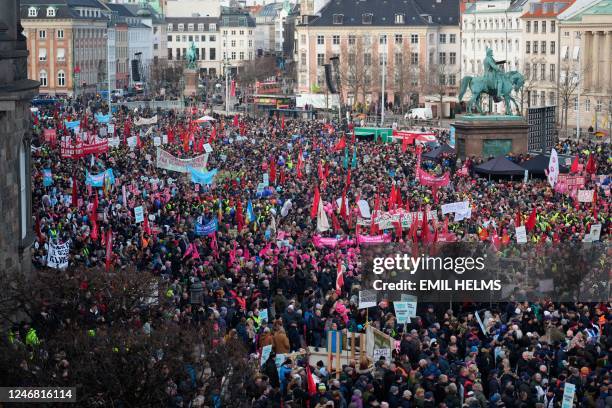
(480, 135)
(191, 82)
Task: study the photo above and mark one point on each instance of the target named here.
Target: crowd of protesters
(262, 256)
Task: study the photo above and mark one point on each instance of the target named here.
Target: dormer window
(189, 27)
(32, 12)
(399, 18)
(338, 18)
(50, 12)
(212, 27)
(200, 27)
(181, 27)
(169, 27)
(366, 18)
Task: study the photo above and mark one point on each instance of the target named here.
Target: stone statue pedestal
(191, 82)
(492, 135)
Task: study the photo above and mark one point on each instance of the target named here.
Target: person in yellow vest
(32, 337)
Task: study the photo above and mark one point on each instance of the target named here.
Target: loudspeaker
(329, 80)
(135, 71)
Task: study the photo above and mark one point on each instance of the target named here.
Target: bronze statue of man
(492, 72)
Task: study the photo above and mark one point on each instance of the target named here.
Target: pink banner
(447, 237)
(373, 239)
(427, 179)
(50, 136)
(319, 242)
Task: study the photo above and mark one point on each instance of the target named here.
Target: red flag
(413, 229)
(591, 166)
(145, 225)
(348, 179)
(595, 205)
(574, 168)
(373, 225)
(531, 221)
(353, 136)
(391, 200)
(425, 228)
(283, 122)
(233, 88)
(170, 135)
(518, 220)
(398, 229)
(239, 216)
(235, 124)
(341, 144)
(109, 249)
(75, 192)
(273, 171)
(343, 205)
(315, 203)
(138, 142)
(300, 163)
(339, 278)
(312, 387)
(445, 226)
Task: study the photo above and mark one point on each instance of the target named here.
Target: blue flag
(98, 180)
(250, 212)
(202, 177)
(206, 229)
(47, 177)
(102, 118)
(72, 125)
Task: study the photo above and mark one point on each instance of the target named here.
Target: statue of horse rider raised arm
(495, 83)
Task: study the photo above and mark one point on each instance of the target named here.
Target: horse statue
(191, 57)
(495, 83)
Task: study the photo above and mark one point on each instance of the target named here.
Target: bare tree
(354, 70)
(258, 69)
(571, 74)
(440, 80)
(407, 75)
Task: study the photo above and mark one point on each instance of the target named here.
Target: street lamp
(108, 70)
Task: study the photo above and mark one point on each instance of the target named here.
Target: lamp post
(108, 69)
(382, 102)
(578, 75)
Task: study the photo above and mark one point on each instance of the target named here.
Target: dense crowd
(262, 256)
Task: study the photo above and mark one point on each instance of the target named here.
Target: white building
(271, 30)
(203, 32)
(111, 60)
(237, 30)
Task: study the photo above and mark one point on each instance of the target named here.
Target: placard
(367, 298)
(521, 235)
(378, 353)
(568, 395)
(265, 354)
(595, 232)
(57, 257)
(157, 141)
(401, 312)
(208, 148)
(139, 214)
(585, 196)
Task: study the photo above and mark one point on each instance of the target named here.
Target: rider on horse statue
(492, 73)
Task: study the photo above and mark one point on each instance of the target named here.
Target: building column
(607, 60)
(595, 61)
(586, 52)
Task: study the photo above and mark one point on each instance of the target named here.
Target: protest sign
(157, 141)
(113, 142)
(57, 257)
(568, 395)
(401, 312)
(164, 139)
(411, 303)
(521, 235)
(111, 129)
(266, 179)
(167, 161)
(263, 315)
(206, 229)
(47, 177)
(585, 196)
(553, 168)
(367, 298)
(132, 142)
(378, 353)
(208, 148)
(388, 219)
(595, 232)
(265, 354)
(456, 207)
(139, 214)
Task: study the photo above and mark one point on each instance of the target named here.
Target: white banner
(387, 220)
(167, 161)
(58, 255)
(145, 121)
(456, 207)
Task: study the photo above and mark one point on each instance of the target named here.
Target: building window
(169, 54)
(543, 72)
(60, 33)
(598, 105)
(169, 38)
(61, 54)
(200, 27)
(367, 40)
(543, 27)
(212, 54)
(543, 47)
(452, 58)
(320, 59)
(303, 39)
(575, 104)
(414, 58)
(442, 58)
(552, 48)
(42, 54)
(535, 71)
(587, 105)
(382, 40)
(414, 38)
(320, 40)
(336, 40)
(399, 18)
(241, 55)
(42, 34)
(250, 43)
(527, 70)
(442, 39)
(203, 54)
(399, 60)
(234, 55)
(190, 38)
(61, 78)
(535, 27)
(337, 18)
(452, 79)
(399, 39)
(528, 47)
(552, 26)
(382, 58)
(431, 58)
(32, 12)
(181, 27)
(367, 59)
(233, 43)
(553, 73)
(535, 47)
(212, 38)
(351, 39)
(303, 58)
(42, 77)
(50, 11)
(366, 18)
(528, 26)
(534, 98)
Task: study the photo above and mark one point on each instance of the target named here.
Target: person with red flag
(531, 221)
(574, 168)
(338, 147)
(315, 203)
(339, 278)
(591, 166)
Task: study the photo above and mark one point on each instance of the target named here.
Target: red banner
(50, 136)
(77, 149)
